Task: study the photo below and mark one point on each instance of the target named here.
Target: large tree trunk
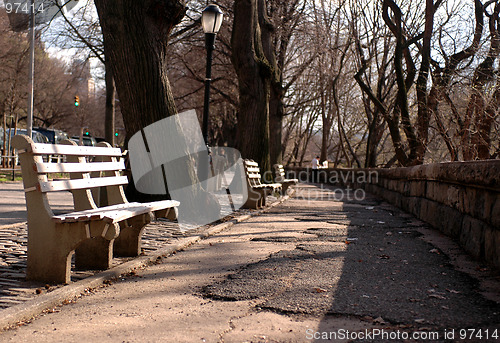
(254, 78)
(276, 107)
(135, 35)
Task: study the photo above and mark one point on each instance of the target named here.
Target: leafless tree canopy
(361, 83)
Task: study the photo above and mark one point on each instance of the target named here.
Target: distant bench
(257, 191)
(280, 177)
(94, 230)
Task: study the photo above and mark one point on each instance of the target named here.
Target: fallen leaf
(437, 296)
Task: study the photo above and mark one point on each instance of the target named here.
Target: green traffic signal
(116, 134)
(77, 100)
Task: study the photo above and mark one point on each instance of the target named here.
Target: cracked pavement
(316, 263)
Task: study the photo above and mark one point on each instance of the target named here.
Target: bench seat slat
(115, 213)
(79, 167)
(66, 185)
(74, 150)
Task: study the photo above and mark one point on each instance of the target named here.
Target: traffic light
(87, 133)
(116, 134)
(77, 100)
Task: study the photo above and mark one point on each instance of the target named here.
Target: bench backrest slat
(66, 185)
(252, 172)
(74, 150)
(79, 167)
(279, 172)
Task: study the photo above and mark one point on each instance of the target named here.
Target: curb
(28, 310)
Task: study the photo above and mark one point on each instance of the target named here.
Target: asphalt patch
(378, 271)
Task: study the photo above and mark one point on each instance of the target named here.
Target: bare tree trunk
(135, 36)
(275, 128)
(254, 78)
(136, 33)
(423, 115)
(484, 113)
(404, 81)
(276, 107)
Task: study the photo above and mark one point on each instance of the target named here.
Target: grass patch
(6, 175)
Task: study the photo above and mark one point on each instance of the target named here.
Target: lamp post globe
(211, 19)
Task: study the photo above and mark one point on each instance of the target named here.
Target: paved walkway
(14, 290)
(13, 204)
(311, 268)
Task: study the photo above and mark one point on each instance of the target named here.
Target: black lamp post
(211, 20)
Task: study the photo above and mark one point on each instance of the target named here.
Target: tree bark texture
(136, 34)
(276, 107)
(423, 115)
(254, 73)
(135, 37)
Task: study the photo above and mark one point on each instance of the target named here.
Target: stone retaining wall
(461, 199)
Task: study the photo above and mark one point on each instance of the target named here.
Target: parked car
(87, 140)
(35, 135)
(54, 135)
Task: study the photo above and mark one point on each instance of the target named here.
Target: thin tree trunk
(109, 121)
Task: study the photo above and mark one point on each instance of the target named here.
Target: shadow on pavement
(361, 259)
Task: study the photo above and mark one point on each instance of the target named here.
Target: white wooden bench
(93, 227)
(280, 177)
(257, 191)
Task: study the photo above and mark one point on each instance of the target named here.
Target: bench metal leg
(128, 243)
